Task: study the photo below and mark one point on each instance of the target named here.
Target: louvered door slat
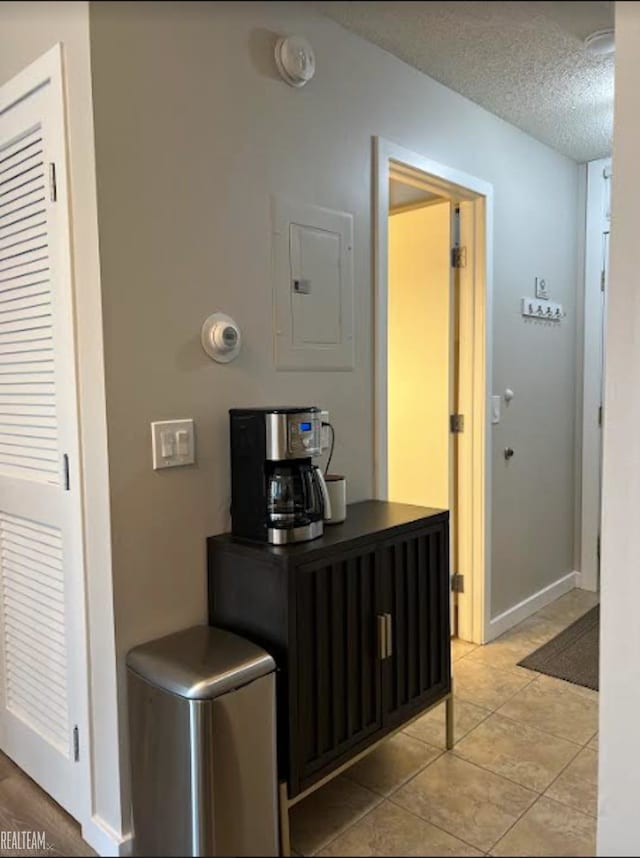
(22, 541)
(28, 239)
(22, 214)
(32, 373)
(28, 193)
(27, 175)
(46, 671)
(33, 608)
(23, 298)
(22, 637)
(23, 142)
(27, 444)
(25, 342)
(27, 686)
(37, 582)
(23, 146)
(37, 429)
(16, 391)
(23, 707)
(35, 414)
(36, 536)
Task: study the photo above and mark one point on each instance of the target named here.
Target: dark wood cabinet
(358, 622)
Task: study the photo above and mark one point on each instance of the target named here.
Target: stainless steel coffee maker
(277, 494)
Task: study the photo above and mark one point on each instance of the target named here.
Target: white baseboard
(106, 842)
(507, 620)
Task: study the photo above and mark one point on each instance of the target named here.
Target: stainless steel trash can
(202, 729)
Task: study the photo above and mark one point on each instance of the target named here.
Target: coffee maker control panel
(304, 436)
(294, 435)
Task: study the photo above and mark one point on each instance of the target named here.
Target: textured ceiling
(523, 61)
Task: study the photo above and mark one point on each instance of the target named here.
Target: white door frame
(597, 223)
(474, 513)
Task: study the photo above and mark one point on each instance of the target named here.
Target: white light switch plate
(173, 443)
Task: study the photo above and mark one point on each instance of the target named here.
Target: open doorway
(422, 353)
(432, 294)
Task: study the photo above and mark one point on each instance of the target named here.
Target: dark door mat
(573, 654)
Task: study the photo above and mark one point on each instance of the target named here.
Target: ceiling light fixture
(601, 43)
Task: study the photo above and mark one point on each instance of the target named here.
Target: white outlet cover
(166, 449)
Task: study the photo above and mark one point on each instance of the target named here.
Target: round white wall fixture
(601, 43)
(221, 338)
(295, 59)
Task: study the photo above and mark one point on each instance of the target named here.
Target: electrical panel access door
(313, 287)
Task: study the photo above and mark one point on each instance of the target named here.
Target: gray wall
(194, 131)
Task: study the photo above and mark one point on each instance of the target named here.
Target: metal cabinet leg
(283, 802)
(449, 716)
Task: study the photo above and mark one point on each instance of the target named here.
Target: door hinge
(600, 413)
(65, 472)
(53, 187)
(603, 279)
(458, 257)
(456, 423)
(457, 583)
(599, 550)
(76, 744)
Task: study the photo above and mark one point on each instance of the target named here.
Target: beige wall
(27, 30)
(194, 132)
(419, 355)
(619, 781)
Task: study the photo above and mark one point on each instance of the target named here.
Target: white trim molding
(105, 841)
(529, 606)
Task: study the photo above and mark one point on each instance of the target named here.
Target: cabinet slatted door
(338, 673)
(415, 577)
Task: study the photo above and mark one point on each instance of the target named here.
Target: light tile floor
(521, 779)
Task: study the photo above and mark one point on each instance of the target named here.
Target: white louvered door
(43, 690)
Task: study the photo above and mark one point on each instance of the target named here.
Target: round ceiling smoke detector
(295, 59)
(601, 43)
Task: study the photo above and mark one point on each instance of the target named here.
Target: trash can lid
(200, 663)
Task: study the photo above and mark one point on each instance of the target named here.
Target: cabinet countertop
(364, 519)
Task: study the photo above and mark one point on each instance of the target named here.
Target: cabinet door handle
(381, 620)
(388, 624)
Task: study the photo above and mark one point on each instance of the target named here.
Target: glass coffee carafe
(296, 494)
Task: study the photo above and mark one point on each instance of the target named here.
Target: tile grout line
(390, 796)
(351, 824)
(501, 838)
(435, 825)
(539, 730)
(537, 795)
(570, 763)
(403, 783)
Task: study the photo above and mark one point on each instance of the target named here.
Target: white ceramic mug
(337, 489)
